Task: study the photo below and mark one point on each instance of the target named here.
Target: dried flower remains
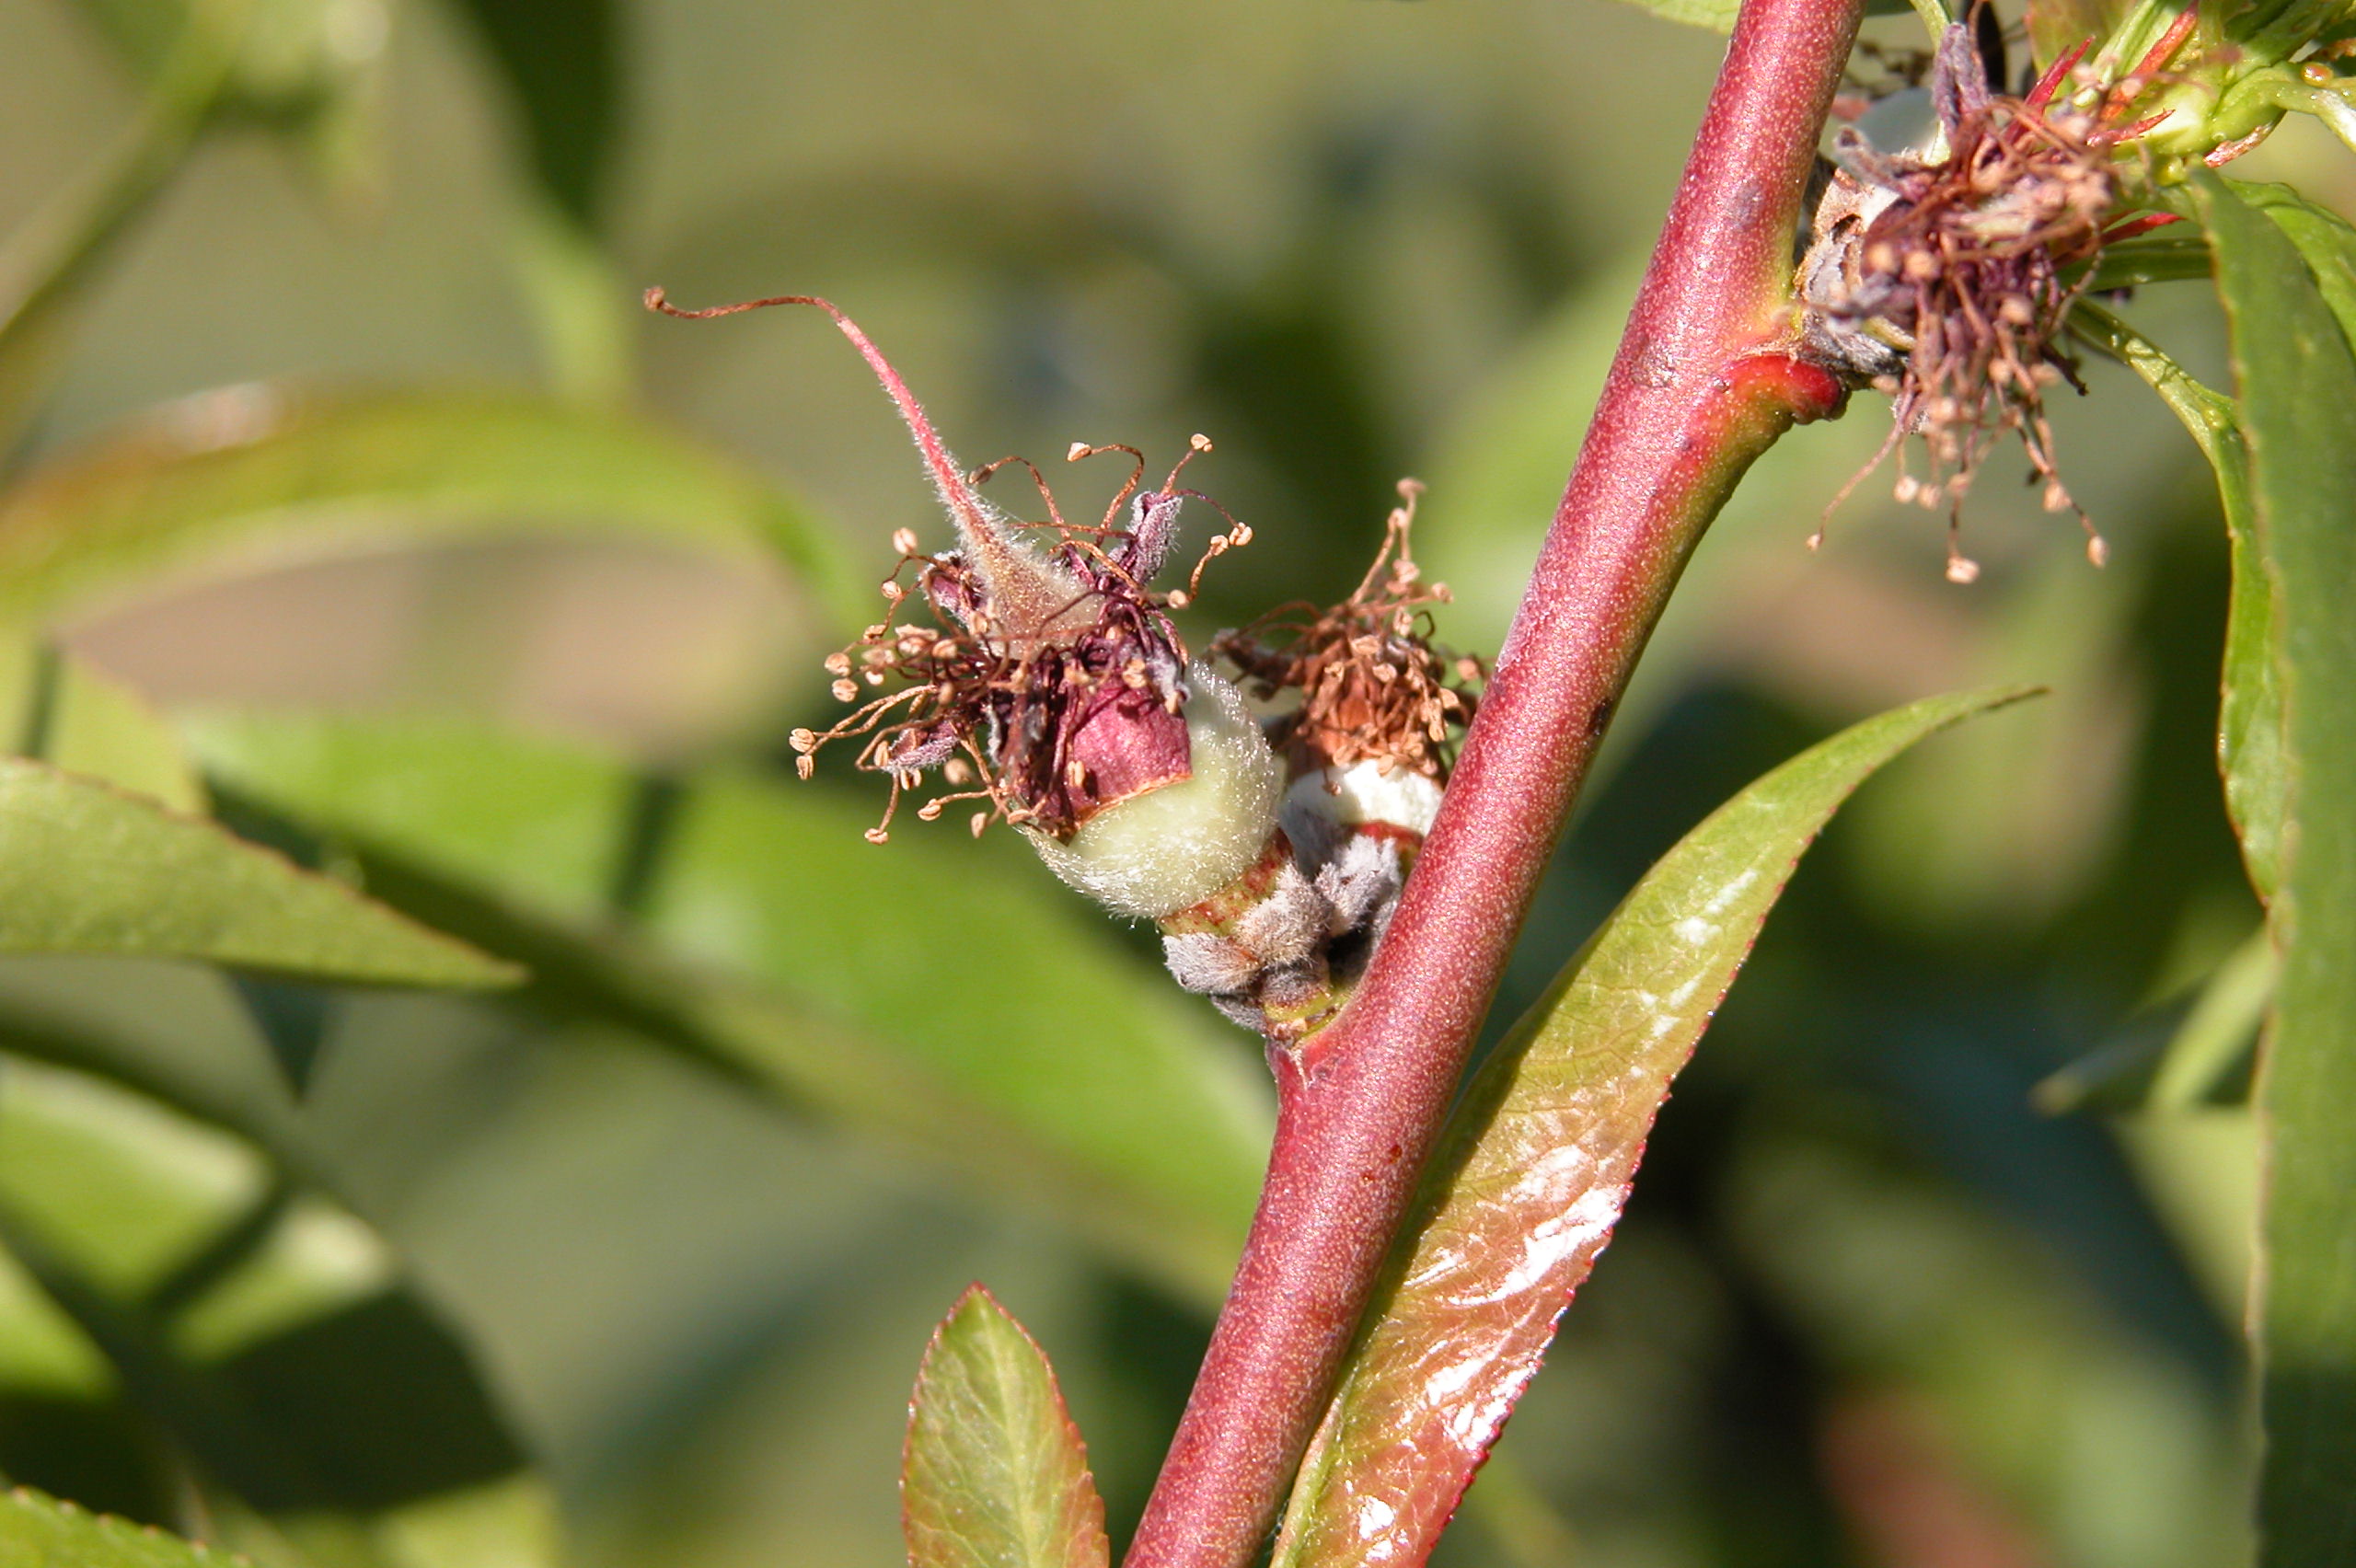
(1037, 670)
(1945, 281)
(1049, 703)
(1049, 683)
(1373, 685)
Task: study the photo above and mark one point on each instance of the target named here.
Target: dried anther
(1945, 280)
(1373, 687)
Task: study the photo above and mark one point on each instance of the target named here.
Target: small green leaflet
(995, 1475)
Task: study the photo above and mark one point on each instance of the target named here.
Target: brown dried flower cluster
(1373, 687)
(1047, 686)
(1945, 283)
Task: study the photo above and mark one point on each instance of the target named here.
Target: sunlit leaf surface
(2250, 717)
(1535, 1167)
(995, 1475)
(85, 867)
(42, 1532)
(2298, 391)
(249, 466)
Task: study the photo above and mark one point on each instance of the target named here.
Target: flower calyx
(2203, 85)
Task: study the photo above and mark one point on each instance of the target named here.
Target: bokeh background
(1922, 1269)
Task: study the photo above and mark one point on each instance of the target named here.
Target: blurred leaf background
(352, 498)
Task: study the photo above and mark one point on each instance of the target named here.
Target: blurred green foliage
(348, 450)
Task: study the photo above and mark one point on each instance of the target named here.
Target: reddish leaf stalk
(1698, 391)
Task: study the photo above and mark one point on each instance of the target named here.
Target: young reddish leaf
(994, 1475)
(1530, 1176)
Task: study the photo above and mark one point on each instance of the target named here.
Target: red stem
(1696, 393)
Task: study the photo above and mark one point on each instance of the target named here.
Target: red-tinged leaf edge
(40, 1531)
(993, 1473)
(1537, 1161)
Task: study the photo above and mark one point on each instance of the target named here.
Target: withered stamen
(1374, 688)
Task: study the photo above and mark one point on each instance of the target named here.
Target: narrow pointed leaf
(2250, 731)
(563, 63)
(2249, 715)
(1530, 1176)
(87, 868)
(2325, 240)
(2218, 1029)
(995, 1475)
(38, 1531)
(2297, 378)
(245, 467)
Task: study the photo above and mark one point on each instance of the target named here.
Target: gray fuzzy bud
(1242, 1011)
(1286, 926)
(1358, 883)
(1205, 962)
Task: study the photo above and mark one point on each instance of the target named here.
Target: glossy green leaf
(2325, 239)
(948, 994)
(2249, 715)
(1531, 1175)
(995, 1475)
(246, 468)
(87, 868)
(2251, 726)
(2297, 378)
(38, 1531)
